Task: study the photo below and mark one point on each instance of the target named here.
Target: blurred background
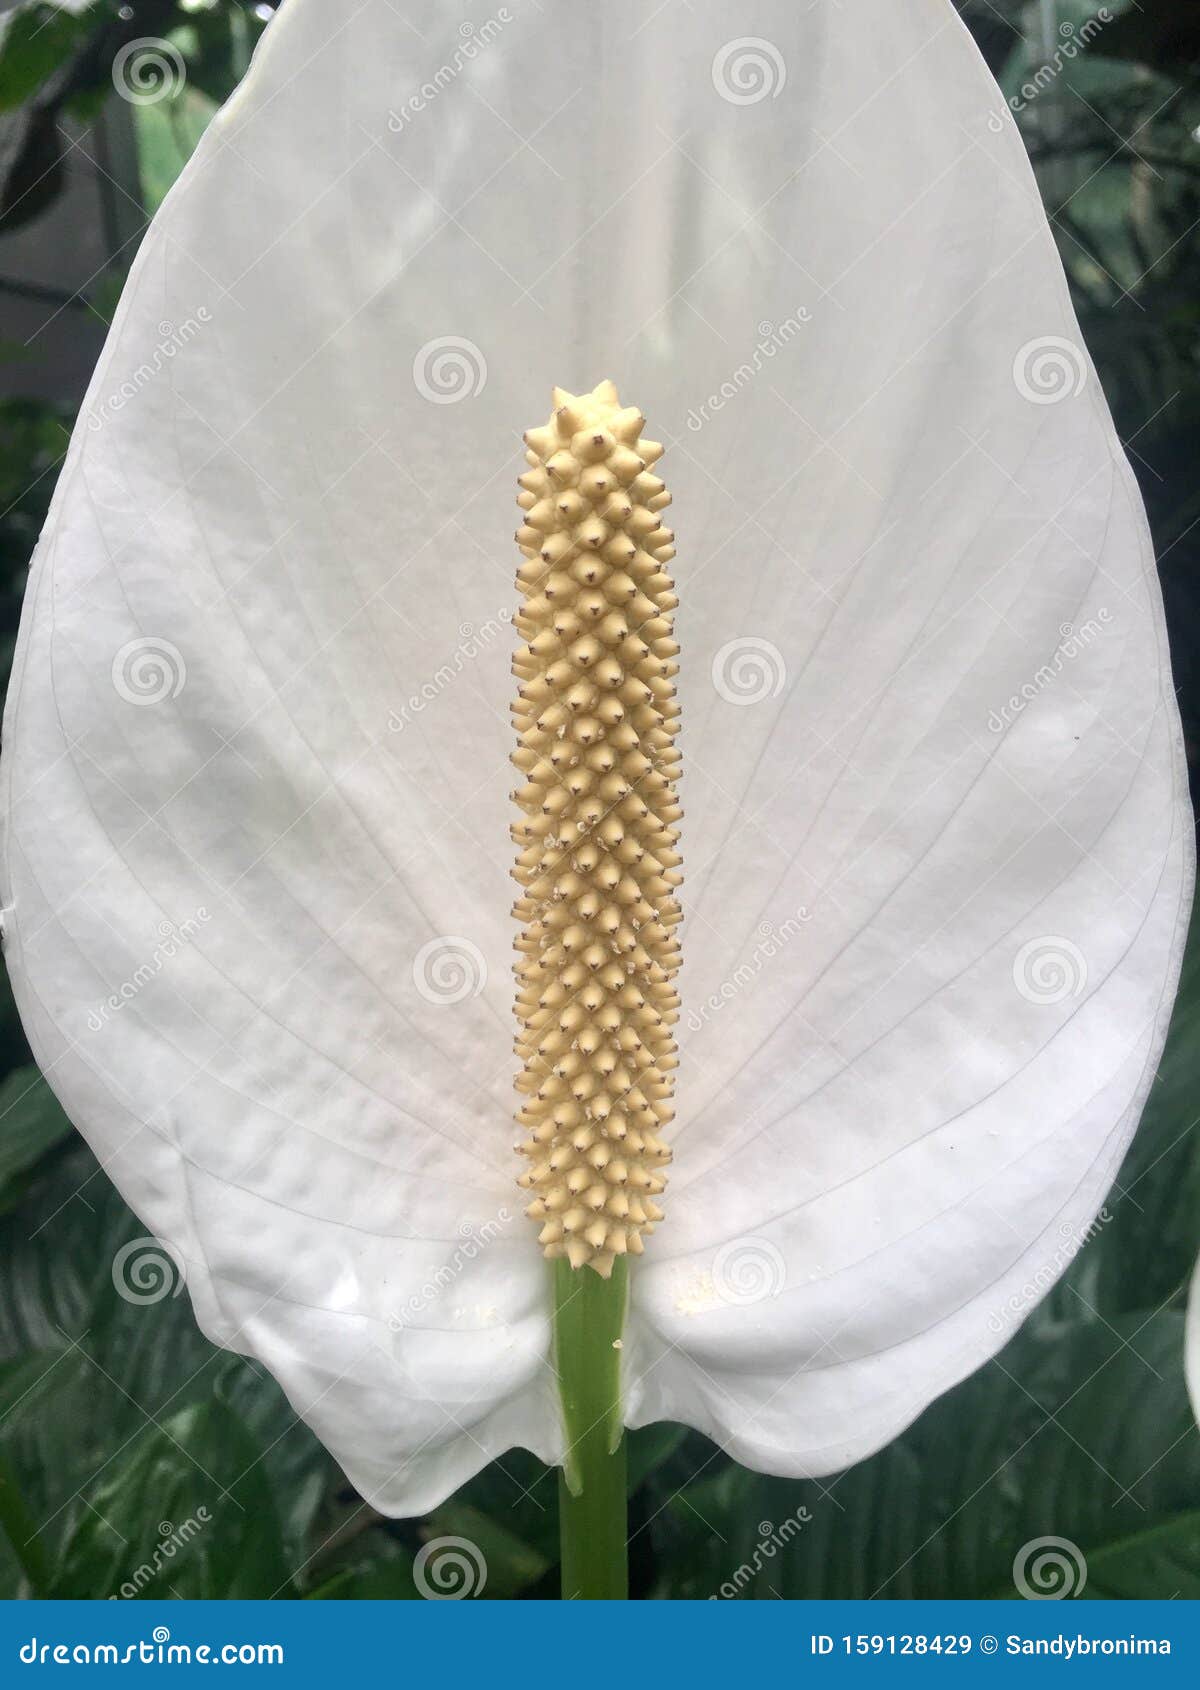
(136, 1460)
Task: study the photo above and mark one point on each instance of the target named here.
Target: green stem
(589, 1313)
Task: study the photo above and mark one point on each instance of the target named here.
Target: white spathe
(256, 781)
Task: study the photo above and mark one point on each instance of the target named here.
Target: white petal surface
(256, 748)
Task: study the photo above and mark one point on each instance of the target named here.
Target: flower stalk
(598, 866)
(589, 1314)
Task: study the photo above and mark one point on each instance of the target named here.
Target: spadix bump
(596, 716)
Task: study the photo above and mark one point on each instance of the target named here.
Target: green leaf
(32, 1124)
(649, 1447)
(167, 135)
(38, 40)
(24, 1561)
(385, 1576)
(1162, 1562)
(1163, 33)
(185, 1511)
(512, 1564)
(1085, 1434)
(1148, 1237)
(521, 1491)
(103, 1391)
(40, 1396)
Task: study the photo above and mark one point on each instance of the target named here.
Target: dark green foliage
(1082, 1433)
(56, 65)
(33, 1125)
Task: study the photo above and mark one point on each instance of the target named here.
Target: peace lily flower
(935, 826)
